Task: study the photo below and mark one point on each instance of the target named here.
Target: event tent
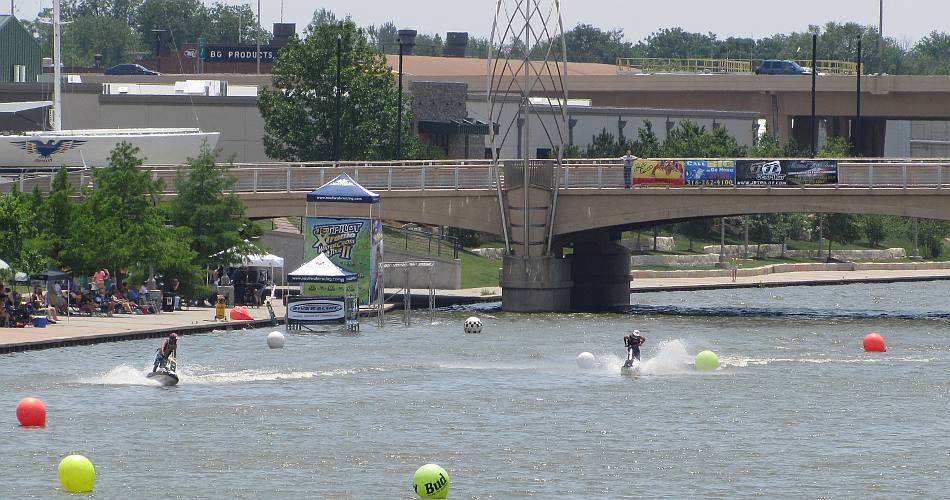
(342, 189)
(320, 270)
(4, 265)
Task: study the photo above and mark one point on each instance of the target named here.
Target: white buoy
(473, 325)
(585, 360)
(275, 340)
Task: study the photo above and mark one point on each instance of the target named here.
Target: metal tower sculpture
(527, 91)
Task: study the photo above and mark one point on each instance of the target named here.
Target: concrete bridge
(593, 209)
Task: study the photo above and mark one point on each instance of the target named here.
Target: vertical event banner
(802, 172)
(786, 172)
(658, 172)
(354, 244)
(710, 172)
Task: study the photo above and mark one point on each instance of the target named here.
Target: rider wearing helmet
(633, 342)
(169, 348)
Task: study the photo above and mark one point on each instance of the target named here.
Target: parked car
(781, 67)
(130, 69)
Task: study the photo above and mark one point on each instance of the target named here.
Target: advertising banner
(802, 172)
(307, 309)
(785, 172)
(760, 173)
(710, 172)
(658, 172)
(354, 244)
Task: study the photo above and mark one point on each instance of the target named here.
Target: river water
(796, 409)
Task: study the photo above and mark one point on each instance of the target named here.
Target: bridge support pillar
(536, 284)
(601, 274)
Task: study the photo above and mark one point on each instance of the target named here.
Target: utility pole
(258, 37)
(880, 39)
(336, 133)
(856, 136)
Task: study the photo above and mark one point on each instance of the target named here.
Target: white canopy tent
(257, 260)
(4, 265)
(321, 269)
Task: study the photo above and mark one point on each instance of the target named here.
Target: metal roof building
(20, 54)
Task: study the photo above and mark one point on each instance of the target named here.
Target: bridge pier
(600, 269)
(536, 284)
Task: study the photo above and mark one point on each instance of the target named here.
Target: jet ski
(631, 369)
(165, 375)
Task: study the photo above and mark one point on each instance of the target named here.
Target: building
(201, 58)
(20, 55)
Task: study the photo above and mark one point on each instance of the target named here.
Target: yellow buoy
(76, 474)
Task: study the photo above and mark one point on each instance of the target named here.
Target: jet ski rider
(169, 348)
(633, 342)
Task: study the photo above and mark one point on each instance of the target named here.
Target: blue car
(781, 67)
(130, 69)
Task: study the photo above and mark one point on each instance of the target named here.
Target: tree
(299, 110)
(185, 20)
(15, 227)
(120, 226)
(55, 215)
(234, 24)
(931, 236)
(207, 205)
(586, 43)
(875, 229)
(841, 228)
(688, 140)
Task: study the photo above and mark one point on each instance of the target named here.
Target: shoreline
(85, 330)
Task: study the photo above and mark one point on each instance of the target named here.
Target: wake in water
(671, 358)
(128, 375)
(806, 312)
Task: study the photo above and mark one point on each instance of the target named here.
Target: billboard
(658, 172)
(785, 172)
(802, 172)
(710, 172)
(354, 244)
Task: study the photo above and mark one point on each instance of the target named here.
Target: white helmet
(636, 332)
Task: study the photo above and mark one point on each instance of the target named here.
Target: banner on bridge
(658, 172)
(785, 172)
(710, 172)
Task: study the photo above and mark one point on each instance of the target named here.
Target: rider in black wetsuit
(633, 342)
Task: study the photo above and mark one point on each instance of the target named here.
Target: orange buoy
(873, 342)
(31, 412)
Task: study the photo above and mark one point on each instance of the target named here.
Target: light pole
(407, 40)
(258, 37)
(336, 131)
(880, 39)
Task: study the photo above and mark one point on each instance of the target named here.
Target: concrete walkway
(805, 278)
(93, 329)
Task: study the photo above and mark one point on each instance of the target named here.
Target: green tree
(185, 20)
(875, 229)
(15, 227)
(931, 236)
(586, 43)
(842, 229)
(119, 225)
(208, 206)
(233, 24)
(688, 140)
(299, 110)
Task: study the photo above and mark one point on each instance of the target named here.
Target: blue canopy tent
(342, 189)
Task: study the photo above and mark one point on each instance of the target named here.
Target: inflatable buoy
(873, 342)
(431, 481)
(707, 361)
(31, 412)
(473, 325)
(585, 360)
(239, 313)
(76, 474)
(275, 340)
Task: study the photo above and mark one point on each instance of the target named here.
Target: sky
(905, 20)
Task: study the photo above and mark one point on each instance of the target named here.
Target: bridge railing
(602, 173)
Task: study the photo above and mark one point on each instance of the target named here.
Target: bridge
(593, 209)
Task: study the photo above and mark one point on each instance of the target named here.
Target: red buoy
(31, 412)
(873, 342)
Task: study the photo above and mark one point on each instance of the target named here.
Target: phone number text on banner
(710, 172)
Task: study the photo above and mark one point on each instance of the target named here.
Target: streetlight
(880, 38)
(407, 40)
(336, 133)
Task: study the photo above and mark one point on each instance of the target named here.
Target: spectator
(39, 306)
(628, 160)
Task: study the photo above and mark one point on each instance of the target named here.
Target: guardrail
(480, 174)
(669, 65)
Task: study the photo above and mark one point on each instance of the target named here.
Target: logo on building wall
(337, 239)
(47, 149)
